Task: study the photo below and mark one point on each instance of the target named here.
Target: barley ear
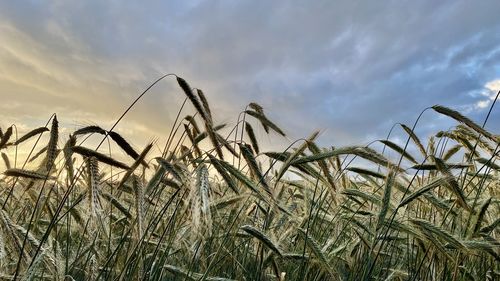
(192, 276)
(253, 166)
(93, 185)
(452, 151)
(5, 137)
(203, 197)
(68, 153)
(192, 121)
(170, 168)
(422, 190)
(462, 119)
(115, 202)
(230, 169)
(225, 175)
(323, 164)
(399, 150)
(139, 204)
(251, 136)
(260, 110)
(191, 96)
(386, 198)
(415, 139)
(213, 138)
(491, 227)
(189, 133)
(366, 172)
(15, 172)
(52, 145)
(266, 123)
(316, 250)
(99, 156)
(31, 134)
(123, 144)
(90, 130)
(476, 225)
(226, 145)
(256, 233)
(205, 104)
(136, 164)
(296, 154)
(452, 183)
(434, 231)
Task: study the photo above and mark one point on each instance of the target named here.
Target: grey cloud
(352, 69)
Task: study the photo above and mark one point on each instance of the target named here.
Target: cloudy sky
(349, 68)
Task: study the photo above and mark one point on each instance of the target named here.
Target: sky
(351, 69)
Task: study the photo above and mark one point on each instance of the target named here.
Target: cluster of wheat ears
(215, 207)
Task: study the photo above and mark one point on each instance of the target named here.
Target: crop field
(208, 203)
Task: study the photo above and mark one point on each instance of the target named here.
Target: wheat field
(214, 206)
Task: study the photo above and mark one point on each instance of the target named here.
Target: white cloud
(493, 86)
(489, 94)
(482, 104)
